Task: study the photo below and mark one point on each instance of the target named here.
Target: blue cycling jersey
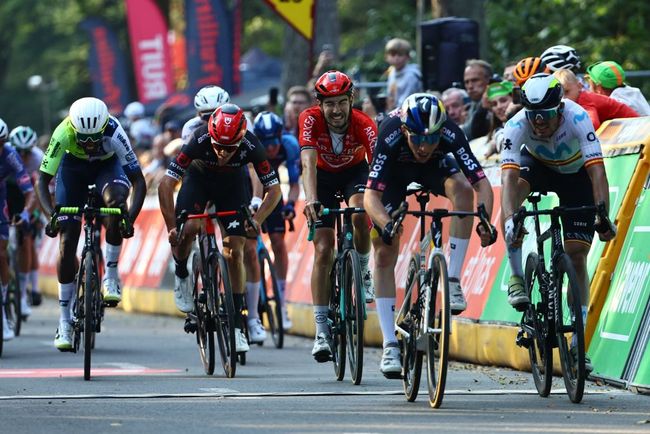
(12, 165)
(289, 153)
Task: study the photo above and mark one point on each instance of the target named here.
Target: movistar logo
(579, 117)
(543, 151)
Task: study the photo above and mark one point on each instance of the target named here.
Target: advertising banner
(150, 51)
(107, 66)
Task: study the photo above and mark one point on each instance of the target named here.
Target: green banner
(619, 173)
(642, 377)
(626, 301)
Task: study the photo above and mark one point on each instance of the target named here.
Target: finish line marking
(79, 372)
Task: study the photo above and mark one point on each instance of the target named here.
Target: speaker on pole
(446, 44)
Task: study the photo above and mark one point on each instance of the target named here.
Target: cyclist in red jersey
(336, 143)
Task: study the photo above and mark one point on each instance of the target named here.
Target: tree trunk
(473, 9)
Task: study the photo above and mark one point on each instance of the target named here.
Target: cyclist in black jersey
(419, 144)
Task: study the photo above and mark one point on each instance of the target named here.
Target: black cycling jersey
(199, 153)
(393, 156)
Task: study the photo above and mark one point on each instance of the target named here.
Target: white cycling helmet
(4, 130)
(561, 57)
(89, 115)
(210, 98)
(134, 109)
(23, 138)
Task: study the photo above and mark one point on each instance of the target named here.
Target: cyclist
(10, 166)
(206, 101)
(210, 165)
(419, 144)
(23, 140)
(560, 57)
(550, 145)
(336, 143)
(280, 148)
(89, 147)
(526, 68)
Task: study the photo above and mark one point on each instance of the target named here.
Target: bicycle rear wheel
(270, 308)
(204, 316)
(570, 327)
(338, 324)
(224, 305)
(536, 327)
(411, 357)
(90, 291)
(14, 295)
(438, 320)
(354, 314)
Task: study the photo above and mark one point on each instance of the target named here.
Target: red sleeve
(367, 132)
(307, 134)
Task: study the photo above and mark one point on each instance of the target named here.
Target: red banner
(150, 50)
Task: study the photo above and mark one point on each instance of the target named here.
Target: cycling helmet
(209, 98)
(561, 57)
(4, 130)
(268, 126)
(525, 68)
(227, 126)
(134, 109)
(541, 91)
(422, 113)
(333, 83)
(89, 116)
(23, 138)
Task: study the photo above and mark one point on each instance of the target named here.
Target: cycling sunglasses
(226, 148)
(424, 139)
(90, 138)
(542, 115)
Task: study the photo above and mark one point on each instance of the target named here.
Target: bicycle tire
(2, 307)
(225, 317)
(15, 292)
(100, 299)
(337, 323)
(270, 301)
(204, 317)
(354, 314)
(411, 357)
(90, 291)
(437, 318)
(535, 318)
(571, 322)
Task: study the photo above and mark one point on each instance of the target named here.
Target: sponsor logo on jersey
(507, 145)
(233, 224)
(377, 165)
(336, 161)
(264, 167)
(393, 137)
(446, 132)
(183, 160)
(307, 126)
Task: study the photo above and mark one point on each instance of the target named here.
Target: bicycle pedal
(393, 375)
(202, 298)
(110, 303)
(189, 326)
(522, 340)
(521, 307)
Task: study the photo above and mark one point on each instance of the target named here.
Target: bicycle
(88, 304)
(214, 305)
(347, 311)
(545, 323)
(270, 306)
(424, 319)
(12, 304)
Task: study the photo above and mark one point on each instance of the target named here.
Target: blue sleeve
(292, 149)
(21, 175)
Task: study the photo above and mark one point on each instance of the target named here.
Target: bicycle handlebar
(184, 216)
(126, 226)
(332, 211)
(519, 216)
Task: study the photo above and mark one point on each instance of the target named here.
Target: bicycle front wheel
(438, 326)
(90, 291)
(536, 327)
(337, 322)
(570, 330)
(15, 317)
(270, 303)
(411, 356)
(354, 314)
(204, 316)
(225, 317)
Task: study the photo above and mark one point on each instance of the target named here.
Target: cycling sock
(252, 299)
(4, 293)
(458, 247)
(574, 338)
(281, 285)
(514, 258)
(363, 261)
(386, 313)
(320, 317)
(112, 256)
(22, 281)
(33, 277)
(239, 305)
(181, 267)
(66, 290)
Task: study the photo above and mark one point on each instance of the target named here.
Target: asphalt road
(147, 377)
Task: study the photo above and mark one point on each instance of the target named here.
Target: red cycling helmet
(333, 83)
(227, 126)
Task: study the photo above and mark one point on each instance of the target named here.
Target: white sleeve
(513, 134)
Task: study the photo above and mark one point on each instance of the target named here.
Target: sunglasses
(541, 115)
(422, 140)
(90, 138)
(226, 148)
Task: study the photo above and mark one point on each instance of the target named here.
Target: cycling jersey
(289, 154)
(573, 145)
(115, 142)
(34, 160)
(337, 152)
(394, 157)
(199, 153)
(12, 165)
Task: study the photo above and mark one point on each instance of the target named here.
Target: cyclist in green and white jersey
(89, 147)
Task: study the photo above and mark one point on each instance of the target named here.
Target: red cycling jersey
(358, 142)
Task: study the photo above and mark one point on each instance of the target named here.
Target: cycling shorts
(573, 189)
(226, 191)
(275, 223)
(348, 182)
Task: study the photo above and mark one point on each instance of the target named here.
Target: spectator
(298, 99)
(508, 71)
(141, 130)
(403, 78)
(455, 101)
(499, 96)
(158, 161)
(599, 107)
(608, 78)
(476, 78)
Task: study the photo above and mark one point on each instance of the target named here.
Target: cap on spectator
(134, 109)
(608, 74)
(501, 88)
(172, 126)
